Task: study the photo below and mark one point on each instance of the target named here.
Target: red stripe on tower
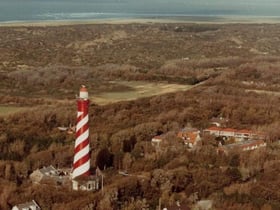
(81, 163)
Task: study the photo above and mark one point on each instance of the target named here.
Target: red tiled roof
(160, 137)
(244, 131)
(191, 137)
(214, 128)
(228, 130)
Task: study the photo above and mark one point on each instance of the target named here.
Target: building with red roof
(238, 135)
(191, 136)
(242, 146)
(156, 140)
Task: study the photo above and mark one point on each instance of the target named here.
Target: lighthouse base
(91, 183)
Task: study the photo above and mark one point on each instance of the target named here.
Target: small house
(49, 173)
(90, 183)
(190, 136)
(157, 140)
(238, 135)
(33, 205)
(242, 146)
(204, 205)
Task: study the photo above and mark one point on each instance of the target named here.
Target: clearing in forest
(137, 89)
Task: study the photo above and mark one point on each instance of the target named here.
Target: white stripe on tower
(81, 138)
(81, 163)
(79, 155)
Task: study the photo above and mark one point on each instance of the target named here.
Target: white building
(238, 135)
(27, 206)
(242, 146)
(50, 173)
(190, 136)
(156, 140)
(90, 183)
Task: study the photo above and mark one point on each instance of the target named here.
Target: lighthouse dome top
(83, 92)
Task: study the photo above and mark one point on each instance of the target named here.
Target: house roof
(245, 131)
(229, 130)
(50, 170)
(158, 137)
(241, 145)
(28, 205)
(253, 143)
(214, 128)
(242, 131)
(191, 137)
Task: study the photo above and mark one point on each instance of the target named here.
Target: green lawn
(140, 89)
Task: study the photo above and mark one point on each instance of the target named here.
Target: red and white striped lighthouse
(81, 163)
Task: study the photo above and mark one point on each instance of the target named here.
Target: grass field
(6, 110)
(140, 89)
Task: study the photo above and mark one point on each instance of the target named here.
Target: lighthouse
(81, 177)
(81, 164)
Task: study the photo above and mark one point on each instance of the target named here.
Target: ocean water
(43, 10)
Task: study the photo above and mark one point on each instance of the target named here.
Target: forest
(234, 70)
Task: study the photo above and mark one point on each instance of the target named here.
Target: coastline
(148, 20)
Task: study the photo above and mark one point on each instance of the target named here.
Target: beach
(172, 19)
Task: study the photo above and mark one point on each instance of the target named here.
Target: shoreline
(171, 19)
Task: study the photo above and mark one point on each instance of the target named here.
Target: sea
(63, 10)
